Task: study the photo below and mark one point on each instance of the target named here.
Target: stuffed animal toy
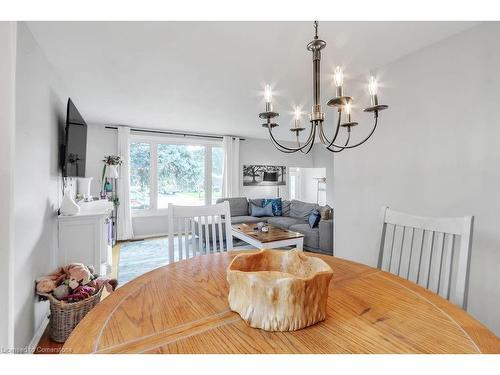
(80, 273)
(59, 275)
(73, 283)
(61, 291)
(109, 284)
(45, 285)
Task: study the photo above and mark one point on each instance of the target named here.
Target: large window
(217, 165)
(140, 175)
(164, 171)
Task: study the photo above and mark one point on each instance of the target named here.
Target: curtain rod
(173, 133)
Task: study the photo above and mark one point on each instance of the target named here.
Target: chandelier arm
(324, 138)
(279, 146)
(311, 143)
(359, 143)
(298, 143)
(286, 149)
(345, 144)
(310, 140)
(293, 149)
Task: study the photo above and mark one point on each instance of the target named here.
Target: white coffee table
(274, 238)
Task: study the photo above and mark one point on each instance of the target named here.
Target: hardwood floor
(48, 346)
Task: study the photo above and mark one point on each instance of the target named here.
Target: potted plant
(110, 169)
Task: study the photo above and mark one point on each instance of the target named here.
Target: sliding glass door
(168, 170)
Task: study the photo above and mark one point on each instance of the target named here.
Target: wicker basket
(65, 316)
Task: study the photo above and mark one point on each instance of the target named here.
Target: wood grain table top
(274, 233)
(183, 308)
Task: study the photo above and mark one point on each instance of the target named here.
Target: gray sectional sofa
(295, 214)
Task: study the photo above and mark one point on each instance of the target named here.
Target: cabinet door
(79, 242)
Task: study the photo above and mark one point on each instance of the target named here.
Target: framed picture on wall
(264, 175)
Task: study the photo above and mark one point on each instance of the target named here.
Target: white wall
(40, 115)
(7, 128)
(262, 151)
(309, 185)
(322, 158)
(436, 153)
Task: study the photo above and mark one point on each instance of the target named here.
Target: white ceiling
(209, 76)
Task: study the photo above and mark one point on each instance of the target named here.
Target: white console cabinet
(86, 238)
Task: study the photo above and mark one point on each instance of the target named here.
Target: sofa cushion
(285, 222)
(285, 207)
(237, 206)
(276, 204)
(311, 235)
(302, 209)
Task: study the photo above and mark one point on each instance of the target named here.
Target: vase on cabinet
(68, 205)
(84, 187)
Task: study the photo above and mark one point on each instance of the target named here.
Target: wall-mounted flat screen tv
(75, 150)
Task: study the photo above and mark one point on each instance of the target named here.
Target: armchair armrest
(326, 236)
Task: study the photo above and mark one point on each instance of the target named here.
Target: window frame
(154, 141)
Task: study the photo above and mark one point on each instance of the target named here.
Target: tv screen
(76, 143)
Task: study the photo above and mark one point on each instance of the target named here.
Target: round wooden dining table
(183, 308)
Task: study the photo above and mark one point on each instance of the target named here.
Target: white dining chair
(432, 252)
(194, 227)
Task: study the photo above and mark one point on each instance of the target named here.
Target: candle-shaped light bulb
(347, 111)
(296, 113)
(268, 94)
(338, 78)
(373, 89)
(372, 86)
(268, 97)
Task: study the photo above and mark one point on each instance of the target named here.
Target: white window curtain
(231, 174)
(124, 220)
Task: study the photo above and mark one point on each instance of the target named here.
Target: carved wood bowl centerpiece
(279, 290)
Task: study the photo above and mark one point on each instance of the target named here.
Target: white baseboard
(38, 335)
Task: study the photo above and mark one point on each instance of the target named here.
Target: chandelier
(342, 103)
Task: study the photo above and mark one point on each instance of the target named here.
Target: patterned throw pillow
(314, 218)
(276, 203)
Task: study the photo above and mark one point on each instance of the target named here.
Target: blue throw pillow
(277, 205)
(257, 211)
(314, 218)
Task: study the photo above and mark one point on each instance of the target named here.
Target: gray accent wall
(40, 114)
(435, 153)
(7, 128)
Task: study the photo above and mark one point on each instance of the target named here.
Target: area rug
(139, 257)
